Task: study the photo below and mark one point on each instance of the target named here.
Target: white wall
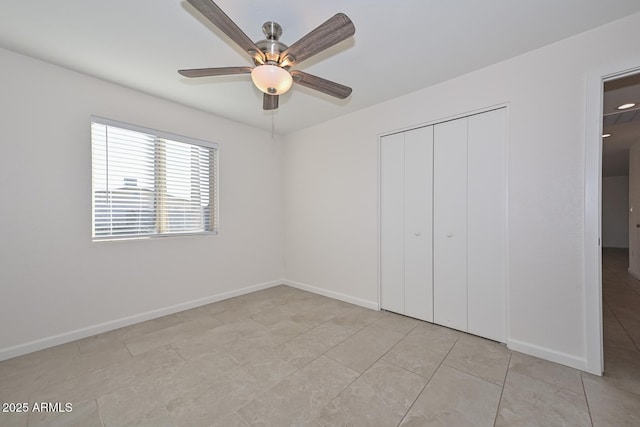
(55, 285)
(615, 212)
(331, 185)
(634, 214)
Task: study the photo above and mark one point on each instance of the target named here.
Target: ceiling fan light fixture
(271, 79)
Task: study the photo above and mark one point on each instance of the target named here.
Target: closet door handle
(449, 234)
(417, 234)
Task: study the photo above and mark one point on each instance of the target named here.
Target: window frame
(158, 134)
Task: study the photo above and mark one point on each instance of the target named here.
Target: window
(147, 183)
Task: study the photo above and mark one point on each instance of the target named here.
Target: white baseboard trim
(65, 337)
(548, 354)
(373, 305)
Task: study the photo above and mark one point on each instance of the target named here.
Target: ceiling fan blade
(320, 84)
(269, 102)
(221, 71)
(331, 32)
(213, 13)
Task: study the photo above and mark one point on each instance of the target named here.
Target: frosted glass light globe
(271, 79)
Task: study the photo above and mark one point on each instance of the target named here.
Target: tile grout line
(474, 375)
(586, 399)
(428, 381)
(504, 384)
(403, 368)
(357, 332)
(237, 412)
(175, 350)
(621, 325)
(462, 334)
(524, 374)
(360, 374)
(98, 410)
(311, 361)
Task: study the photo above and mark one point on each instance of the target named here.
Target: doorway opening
(620, 215)
(601, 85)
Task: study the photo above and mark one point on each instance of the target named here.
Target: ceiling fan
(273, 59)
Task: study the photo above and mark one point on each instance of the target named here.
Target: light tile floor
(283, 357)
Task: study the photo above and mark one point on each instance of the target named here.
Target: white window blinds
(147, 183)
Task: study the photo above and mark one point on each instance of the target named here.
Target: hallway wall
(615, 212)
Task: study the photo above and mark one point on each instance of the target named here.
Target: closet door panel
(450, 224)
(392, 223)
(487, 224)
(418, 220)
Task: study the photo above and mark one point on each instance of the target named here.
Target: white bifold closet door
(443, 223)
(450, 224)
(418, 211)
(487, 225)
(406, 181)
(470, 224)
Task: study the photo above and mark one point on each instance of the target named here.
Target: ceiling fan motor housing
(271, 46)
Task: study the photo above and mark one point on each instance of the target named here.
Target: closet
(443, 223)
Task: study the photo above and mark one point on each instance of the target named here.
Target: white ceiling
(399, 46)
